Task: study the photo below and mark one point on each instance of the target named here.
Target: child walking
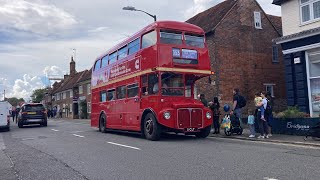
(251, 123)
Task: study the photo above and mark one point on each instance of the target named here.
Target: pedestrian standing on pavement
(17, 113)
(13, 114)
(251, 123)
(268, 109)
(238, 103)
(60, 113)
(263, 127)
(203, 100)
(215, 107)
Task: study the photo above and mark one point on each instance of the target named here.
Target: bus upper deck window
(97, 65)
(167, 37)
(134, 46)
(149, 39)
(194, 40)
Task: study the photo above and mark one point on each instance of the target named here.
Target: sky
(38, 37)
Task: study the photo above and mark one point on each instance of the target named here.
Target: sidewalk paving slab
(276, 138)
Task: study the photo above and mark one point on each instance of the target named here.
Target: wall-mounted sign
(296, 60)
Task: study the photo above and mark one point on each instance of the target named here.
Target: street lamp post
(131, 8)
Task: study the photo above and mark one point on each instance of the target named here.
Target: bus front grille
(189, 117)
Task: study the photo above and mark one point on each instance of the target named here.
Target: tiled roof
(210, 18)
(277, 22)
(298, 35)
(86, 76)
(69, 82)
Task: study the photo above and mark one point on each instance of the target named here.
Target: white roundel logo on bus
(137, 64)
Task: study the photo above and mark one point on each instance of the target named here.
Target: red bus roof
(174, 25)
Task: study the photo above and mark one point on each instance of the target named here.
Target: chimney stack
(72, 67)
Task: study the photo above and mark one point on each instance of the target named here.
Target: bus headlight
(167, 115)
(208, 115)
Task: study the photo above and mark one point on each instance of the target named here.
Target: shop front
(302, 70)
(313, 66)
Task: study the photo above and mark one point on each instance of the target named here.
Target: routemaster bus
(146, 83)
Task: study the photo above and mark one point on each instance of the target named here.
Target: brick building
(239, 36)
(73, 93)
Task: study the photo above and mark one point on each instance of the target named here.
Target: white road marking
(78, 135)
(267, 178)
(55, 130)
(124, 145)
(28, 139)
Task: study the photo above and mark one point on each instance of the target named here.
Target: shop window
(314, 79)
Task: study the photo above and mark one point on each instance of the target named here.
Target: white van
(5, 115)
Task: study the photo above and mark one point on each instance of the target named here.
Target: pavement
(275, 138)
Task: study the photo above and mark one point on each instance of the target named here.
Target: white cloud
(36, 17)
(24, 87)
(53, 71)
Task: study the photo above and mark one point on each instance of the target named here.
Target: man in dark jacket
(203, 100)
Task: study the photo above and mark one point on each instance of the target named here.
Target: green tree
(38, 95)
(15, 101)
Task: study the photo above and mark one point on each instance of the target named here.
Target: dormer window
(309, 10)
(257, 20)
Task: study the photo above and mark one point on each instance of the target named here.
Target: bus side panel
(149, 57)
(94, 110)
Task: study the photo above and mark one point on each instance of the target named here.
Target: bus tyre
(204, 132)
(151, 128)
(103, 124)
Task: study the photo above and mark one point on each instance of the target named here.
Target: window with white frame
(88, 88)
(64, 94)
(89, 107)
(270, 89)
(71, 93)
(309, 10)
(80, 89)
(257, 20)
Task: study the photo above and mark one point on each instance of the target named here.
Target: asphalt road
(73, 150)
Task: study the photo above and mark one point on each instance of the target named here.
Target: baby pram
(314, 132)
(231, 123)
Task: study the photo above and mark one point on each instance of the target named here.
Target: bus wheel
(152, 130)
(102, 126)
(204, 132)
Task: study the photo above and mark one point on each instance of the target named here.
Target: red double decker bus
(146, 83)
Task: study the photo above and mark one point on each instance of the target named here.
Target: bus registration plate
(191, 129)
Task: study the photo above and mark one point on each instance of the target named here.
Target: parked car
(32, 113)
(4, 115)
